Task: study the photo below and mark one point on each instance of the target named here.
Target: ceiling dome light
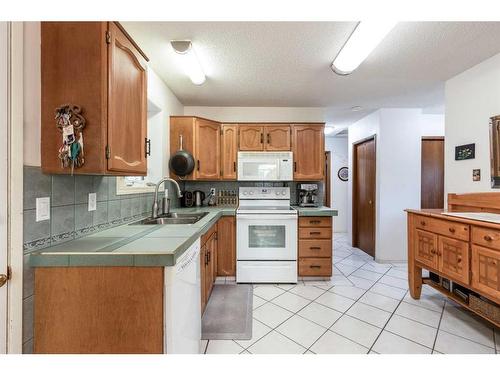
(189, 60)
(365, 38)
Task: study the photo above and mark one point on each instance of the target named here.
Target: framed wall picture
(465, 152)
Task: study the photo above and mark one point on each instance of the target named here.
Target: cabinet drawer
(315, 267)
(444, 227)
(305, 233)
(486, 271)
(315, 248)
(486, 237)
(315, 221)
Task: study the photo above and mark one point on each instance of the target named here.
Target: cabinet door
(229, 152)
(486, 271)
(454, 259)
(127, 105)
(209, 273)
(308, 152)
(251, 138)
(426, 245)
(207, 150)
(277, 137)
(203, 270)
(226, 246)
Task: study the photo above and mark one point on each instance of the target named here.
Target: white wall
(258, 114)
(471, 98)
(398, 143)
(338, 192)
(159, 96)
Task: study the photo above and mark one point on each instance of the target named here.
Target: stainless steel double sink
(173, 218)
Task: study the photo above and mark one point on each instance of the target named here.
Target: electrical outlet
(212, 191)
(92, 201)
(42, 209)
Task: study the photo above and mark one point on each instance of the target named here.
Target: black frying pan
(182, 162)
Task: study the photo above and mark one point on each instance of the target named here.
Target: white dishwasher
(182, 310)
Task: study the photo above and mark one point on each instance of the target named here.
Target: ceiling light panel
(189, 60)
(365, 38)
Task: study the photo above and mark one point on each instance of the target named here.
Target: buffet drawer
(315, 248)
(486, 237)
(315, 221)
(306, 233)
(443, 227)
(315, 267)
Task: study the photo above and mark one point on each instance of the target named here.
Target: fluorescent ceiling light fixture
(329, 130)
(365, 38)
(189, 60)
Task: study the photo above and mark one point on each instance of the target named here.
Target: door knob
(3, 280)
(369, 202)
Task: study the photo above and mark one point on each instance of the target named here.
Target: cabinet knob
(488, 238)
(433, 251)
(422, 223)
(452, 230)
(459, 259)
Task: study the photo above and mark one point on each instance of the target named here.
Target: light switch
(92, 201)
(42, 209)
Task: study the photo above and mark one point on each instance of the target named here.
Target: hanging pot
(182, 162)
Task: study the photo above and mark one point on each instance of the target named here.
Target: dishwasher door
(182, 312)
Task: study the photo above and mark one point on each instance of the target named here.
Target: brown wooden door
(432, 172)
(495, 147)
(203, 276)
(454, 259)
(226, 246)
(364, 206)
(251, 137)
(127, 105)
(426, 245)
(229, 151)
(486, 271)
(308, 145)
(328, 178)
(207, 150)
(277, 137)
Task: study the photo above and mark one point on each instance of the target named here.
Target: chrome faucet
(154, 213)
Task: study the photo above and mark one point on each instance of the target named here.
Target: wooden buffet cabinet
(464, 251)
(97, 66)
(215, 146)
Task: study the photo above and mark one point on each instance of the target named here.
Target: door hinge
(108, 152)
(9, 273)
(108, 37)
(221, 131)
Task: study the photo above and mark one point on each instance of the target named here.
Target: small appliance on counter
(198, 197)
(187, 199)
(307, 195)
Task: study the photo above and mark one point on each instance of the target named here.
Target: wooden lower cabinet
(208, 264)
(98, 310)
(315, 246)
(426, 244)
(454, 259)
(226, 246)
(486, 271)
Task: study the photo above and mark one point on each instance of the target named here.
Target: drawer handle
(422, 223)
(314, 221)
(314, 248)
(452, 230)
(488, 238)
(314, 266)
(314, 232)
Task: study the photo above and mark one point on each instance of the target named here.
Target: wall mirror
(495, 151)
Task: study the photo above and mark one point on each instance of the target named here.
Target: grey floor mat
(228, 315)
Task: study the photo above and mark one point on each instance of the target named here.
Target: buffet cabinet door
(454, 259)
(426, 245)
(486, 271)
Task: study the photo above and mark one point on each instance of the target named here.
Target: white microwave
(265, 166)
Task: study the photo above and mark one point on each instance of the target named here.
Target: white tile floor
(364, 308)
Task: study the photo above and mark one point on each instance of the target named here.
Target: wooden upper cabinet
(277, 137)
(97, 66)
(127, 107)
(229, 151)
(251, 137)
(207, 150)
(182, 127)
(308, 146)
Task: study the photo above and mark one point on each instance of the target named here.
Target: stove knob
(245, 193)
(283, 192)
(251, 193)
(277, 193)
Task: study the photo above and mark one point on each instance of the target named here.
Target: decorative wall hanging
(465, 152)
(343, 174)
(476, 175)
(70, 122)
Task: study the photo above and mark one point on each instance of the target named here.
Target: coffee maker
(307, 195)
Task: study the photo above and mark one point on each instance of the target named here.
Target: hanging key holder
(70, 122)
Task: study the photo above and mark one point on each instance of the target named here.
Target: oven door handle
(260, 217)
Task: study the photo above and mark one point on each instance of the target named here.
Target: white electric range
(266, 236)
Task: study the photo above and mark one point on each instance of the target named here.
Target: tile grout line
(438, 327)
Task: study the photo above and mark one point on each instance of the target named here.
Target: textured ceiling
(287, 64)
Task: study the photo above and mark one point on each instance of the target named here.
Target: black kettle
(199, 197)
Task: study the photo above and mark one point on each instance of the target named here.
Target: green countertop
(141, 245)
